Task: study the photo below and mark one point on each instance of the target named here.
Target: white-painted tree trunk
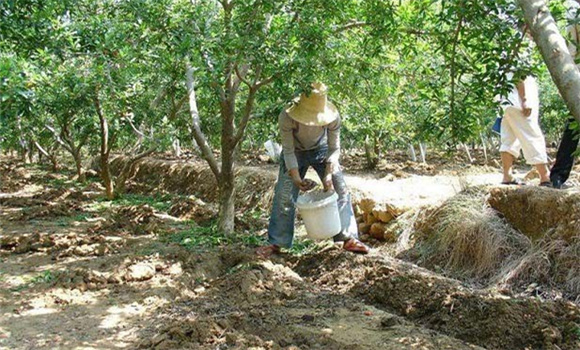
(467, 151)
(484, 146)
(423, 150)
(412, 152)
(553, 48)
(176, 148)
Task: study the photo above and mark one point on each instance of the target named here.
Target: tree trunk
(553, 48)
(423, 151)
(50, 153)
(412, 152)
(468, 154)
(226, 180)
(370, 154)
(105, 151)
(79, 166)
(484, 146)
(226, 205)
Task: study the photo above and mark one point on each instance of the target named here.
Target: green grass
(199, 237)
(60, 183)
(304, 247)
(160, 203)
(196, 237)
(44, 277)
(67, 220)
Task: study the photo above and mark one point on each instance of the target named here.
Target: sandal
(546, 184)
(514, 182)
(267, 251)
(355, 246)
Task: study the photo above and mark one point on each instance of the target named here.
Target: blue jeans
(281, 227)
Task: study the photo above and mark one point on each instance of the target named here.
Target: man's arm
(286, 125)
(522, 93)
(333, 153)
(333, 142)
(287, 135)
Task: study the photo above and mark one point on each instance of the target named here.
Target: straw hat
(314, 109)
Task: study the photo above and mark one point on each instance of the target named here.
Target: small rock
(327, 331)
(307, 318)
(364, 228)
(140, 272)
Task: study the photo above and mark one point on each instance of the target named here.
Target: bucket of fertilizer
(319, 211)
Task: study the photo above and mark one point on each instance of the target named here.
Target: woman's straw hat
(314, 109)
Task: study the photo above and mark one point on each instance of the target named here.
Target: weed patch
(208, 236)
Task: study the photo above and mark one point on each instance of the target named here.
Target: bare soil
(78, 272)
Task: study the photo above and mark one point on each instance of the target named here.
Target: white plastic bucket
(319, 211)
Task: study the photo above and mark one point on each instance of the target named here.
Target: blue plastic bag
(497, 125)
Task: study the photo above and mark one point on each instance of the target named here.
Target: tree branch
(57, 137)
(135, 130)
(42, 150)
(357, 24)
(177, 107)
(242, 74)
(198, 135)
(452, 67)
(246, 116)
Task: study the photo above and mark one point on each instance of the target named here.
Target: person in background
(520, 130)
(310, 132)
(565, 157)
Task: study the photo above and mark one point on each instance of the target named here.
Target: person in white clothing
(520, 130)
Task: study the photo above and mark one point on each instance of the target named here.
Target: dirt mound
(466, 238)
(27, 243)
(129, 271)
(59, 246)
(537, 211)
(21, 202)
(84, 245)
(254, 185)
(53, 194)
(192, 208)
(13, 176)
(490, 320)
(50, 210)
(135, 220)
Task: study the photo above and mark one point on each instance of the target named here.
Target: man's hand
(526, 110)
(303, 185)
(331, 168)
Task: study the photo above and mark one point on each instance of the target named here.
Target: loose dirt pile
(134, 220)
(537, 212)
(267, 305)
(193, 208)
(466, 238)
(13, 176)
(254, 185)
(493, 321)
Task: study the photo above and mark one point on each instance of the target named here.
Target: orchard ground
(150, 270)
